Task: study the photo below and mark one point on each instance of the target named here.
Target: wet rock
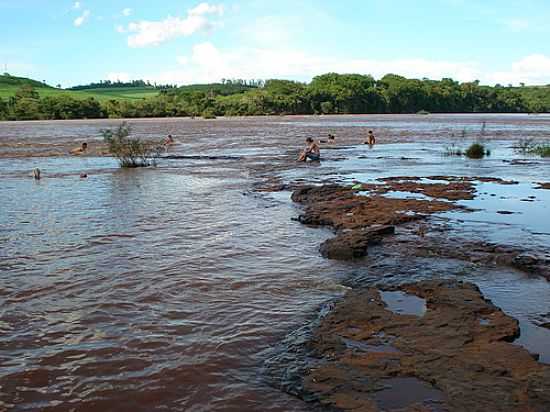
(543, 186)
(354, 244)
(458, 354)
(505, 212)
(359, 220)
(525, 262)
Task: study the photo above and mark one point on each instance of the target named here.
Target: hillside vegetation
(22, 99)
(9, 85)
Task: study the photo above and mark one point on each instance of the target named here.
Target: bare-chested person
(311, 152)
(80, 150)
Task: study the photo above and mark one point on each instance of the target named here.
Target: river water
(167, 288)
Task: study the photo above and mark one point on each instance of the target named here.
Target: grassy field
(9, 85)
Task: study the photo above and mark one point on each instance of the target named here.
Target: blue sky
(182, 41)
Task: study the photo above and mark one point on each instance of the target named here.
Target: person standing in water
(311, 152)
(371, 140)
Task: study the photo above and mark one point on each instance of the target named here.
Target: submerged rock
(456, 357)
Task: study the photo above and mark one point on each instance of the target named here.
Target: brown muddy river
(168, 288)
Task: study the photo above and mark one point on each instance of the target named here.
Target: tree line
(326, 94)
(108, 84)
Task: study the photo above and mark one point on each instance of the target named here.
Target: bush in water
(477, 151)
(130, 152)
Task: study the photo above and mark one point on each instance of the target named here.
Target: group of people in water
(83, 148)
(312, 151)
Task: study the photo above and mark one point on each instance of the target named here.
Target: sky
(186, 42)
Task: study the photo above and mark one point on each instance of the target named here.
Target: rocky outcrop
(354, 243)
(359, 221)
(458, 356)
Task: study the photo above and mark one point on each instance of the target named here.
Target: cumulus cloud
(80, 20)
(76, 5)
(127, 11)
(207, 63)
(152, 33)
(533, 69)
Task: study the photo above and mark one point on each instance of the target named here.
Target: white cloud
(120, 29)
(76, 5)
(79, 21)
(207, 63)
(152, 33)
(122, 76)
(533, 70)
(127, 11)
(205, 8)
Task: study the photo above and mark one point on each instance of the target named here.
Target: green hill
(10, 84)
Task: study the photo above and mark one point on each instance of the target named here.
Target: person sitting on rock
(79, 150)
(311, 152)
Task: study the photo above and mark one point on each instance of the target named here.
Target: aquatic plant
(130, 152)
(477, 151)
(542, 150)
(483, 129)
(453, 150)
(524, 145)
(530, 146)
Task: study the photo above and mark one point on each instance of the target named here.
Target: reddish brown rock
(456, 357)
(354, 244)
(359, 220)
(543, 186)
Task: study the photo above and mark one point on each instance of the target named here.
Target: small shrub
(542, 150)
(130, 152)
(477, 151)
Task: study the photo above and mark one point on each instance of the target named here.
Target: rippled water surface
(167, 288)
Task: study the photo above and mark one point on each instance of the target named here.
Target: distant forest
(108, 84)
(326, 94)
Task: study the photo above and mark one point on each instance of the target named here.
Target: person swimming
(169, 140)
(311, 151)
(80, 150)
